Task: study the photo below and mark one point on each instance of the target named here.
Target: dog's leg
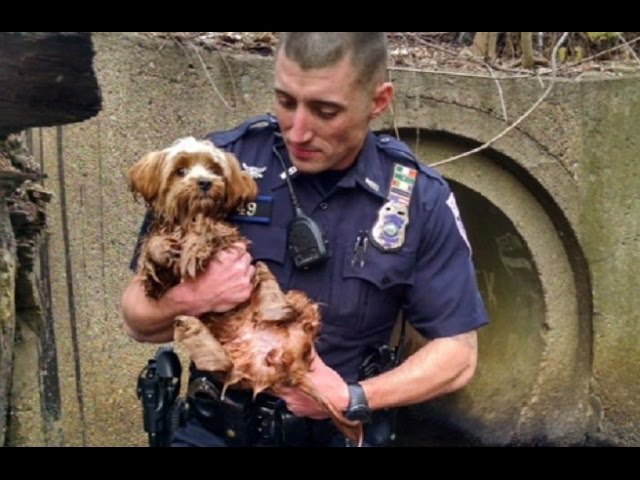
(163, 250)
(156, 265)
(268, 301)
(203, 348)
(196, 252)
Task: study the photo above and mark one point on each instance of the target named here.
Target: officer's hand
(327, 382)
(223, 285)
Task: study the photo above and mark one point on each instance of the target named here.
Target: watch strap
(356, 396)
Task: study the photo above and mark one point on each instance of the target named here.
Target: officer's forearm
(441, 366)
(146, 319)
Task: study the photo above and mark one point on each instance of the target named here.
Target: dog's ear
(241, 188)
(145, 176)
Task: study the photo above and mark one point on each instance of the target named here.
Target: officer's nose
(204, 185)
(300, 131)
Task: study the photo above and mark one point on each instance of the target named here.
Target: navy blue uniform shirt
(430, 278)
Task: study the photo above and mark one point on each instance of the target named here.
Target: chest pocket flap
(268, 243)
(384, 270)
(366, 297)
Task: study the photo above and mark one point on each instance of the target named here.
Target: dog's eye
(181, 172)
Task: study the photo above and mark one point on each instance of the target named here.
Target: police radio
(307, 246)
(306, 243)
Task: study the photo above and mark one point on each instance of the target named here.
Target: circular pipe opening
(532, 376)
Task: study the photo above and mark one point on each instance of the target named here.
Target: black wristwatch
(358, 408)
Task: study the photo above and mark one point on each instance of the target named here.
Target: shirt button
(324, 206)
(385, 139)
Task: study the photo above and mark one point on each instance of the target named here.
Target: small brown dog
(263, 344)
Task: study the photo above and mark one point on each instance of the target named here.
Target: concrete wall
(8, 269)
(553, 209)
(610, 231)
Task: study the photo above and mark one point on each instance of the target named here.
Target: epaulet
(223, 139)
(395, 148)
(400, 150)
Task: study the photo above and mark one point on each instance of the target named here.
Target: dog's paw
(190, 266)
(163, 251)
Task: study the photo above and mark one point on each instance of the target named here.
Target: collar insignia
(254, 172)
(292, 170)
(372, 185)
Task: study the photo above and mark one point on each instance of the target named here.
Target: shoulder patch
(453, 206)
(399, 150)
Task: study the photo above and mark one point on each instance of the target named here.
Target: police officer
(393, 236)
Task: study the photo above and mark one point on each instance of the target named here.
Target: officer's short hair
(309, 50)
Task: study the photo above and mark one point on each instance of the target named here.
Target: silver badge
(388, 233)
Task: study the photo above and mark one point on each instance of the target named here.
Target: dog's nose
(204, 185)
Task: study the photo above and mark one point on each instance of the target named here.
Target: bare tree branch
(600, 54)
(504, 107)
(206, 72)
(628, 47)
(457, 74)
(519, 120)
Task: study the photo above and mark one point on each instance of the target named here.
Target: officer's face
(324, 113)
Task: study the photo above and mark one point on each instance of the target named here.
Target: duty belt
(243, 421)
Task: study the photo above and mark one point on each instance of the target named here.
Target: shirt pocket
(367, 297)
(268, 245)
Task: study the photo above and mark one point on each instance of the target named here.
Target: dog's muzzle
(204, 185)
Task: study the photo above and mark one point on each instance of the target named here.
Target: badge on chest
(389, 231)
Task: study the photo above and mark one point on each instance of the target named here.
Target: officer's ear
(382, 97)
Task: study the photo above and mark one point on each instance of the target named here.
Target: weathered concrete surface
(576, 154)
(549, 372)
(8, 266)
(610, 233)
(153, 93)
(533, 375)
(45, 79)
(27, 424)
(35, 394)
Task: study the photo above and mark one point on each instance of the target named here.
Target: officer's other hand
(327, 382)
(226, 282)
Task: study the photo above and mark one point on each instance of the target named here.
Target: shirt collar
(368, 172)
(281, 180)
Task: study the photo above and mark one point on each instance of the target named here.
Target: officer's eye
(286, 102)
(181, 172)
(326, 114)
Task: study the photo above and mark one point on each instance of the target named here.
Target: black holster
(158, 388)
